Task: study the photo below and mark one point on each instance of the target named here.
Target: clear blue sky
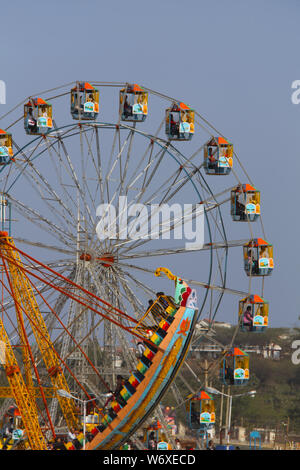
(233, 60)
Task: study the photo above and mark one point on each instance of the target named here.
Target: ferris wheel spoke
(111, 169)
(138, 196)
(127, 353)
(98, 168)
(49, 196)
(123, 172)
(157, 164)
(189, 281)
(76, 182)
(52, 191)
(60, 302)
(107, 287)
(159, 252)
(60, 175)
(160, 229)
(218, 288)
(135, 302)
(43, 245)
(138, 283)
(116, 139)
(111, 199)
(135, 176)
(95, 167)
(63, 184)
(213, 301)
(45, 224)
(84, 164)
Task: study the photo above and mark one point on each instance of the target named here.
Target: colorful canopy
(254, 299)
(36, 102)
(258, 242)
(236, 352)
(83, 86)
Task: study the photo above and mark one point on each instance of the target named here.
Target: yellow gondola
(218, 156)
(84, 102)
(253, 313)
(6, 150)
(37, 117)
(133, 103)
(245, 203)
(258, 258)
(180, 122)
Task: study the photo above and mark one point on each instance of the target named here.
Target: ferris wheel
(103, 188)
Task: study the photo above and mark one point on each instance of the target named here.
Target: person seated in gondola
(248, 318)
(78, 103)
(240, 205)
(174, 126)
(116, 395)
(184, 126)
(151, 441)
(127, 108)
(140, 348)
(162, 301)
(252, 257)
(264, 252)
(119, 386)
(137, 108)
(212, 161)
(194, 414)
(31, 121)
(43, 112)
(229, 374)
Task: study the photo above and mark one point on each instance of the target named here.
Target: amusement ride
(88, 312)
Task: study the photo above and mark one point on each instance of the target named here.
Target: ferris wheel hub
(107, 260)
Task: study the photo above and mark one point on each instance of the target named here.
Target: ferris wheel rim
(117, 84)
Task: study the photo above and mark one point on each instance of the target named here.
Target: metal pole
(205, 373)
(221, 414)
(227, 409)
(229, 418)
(84, 423)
